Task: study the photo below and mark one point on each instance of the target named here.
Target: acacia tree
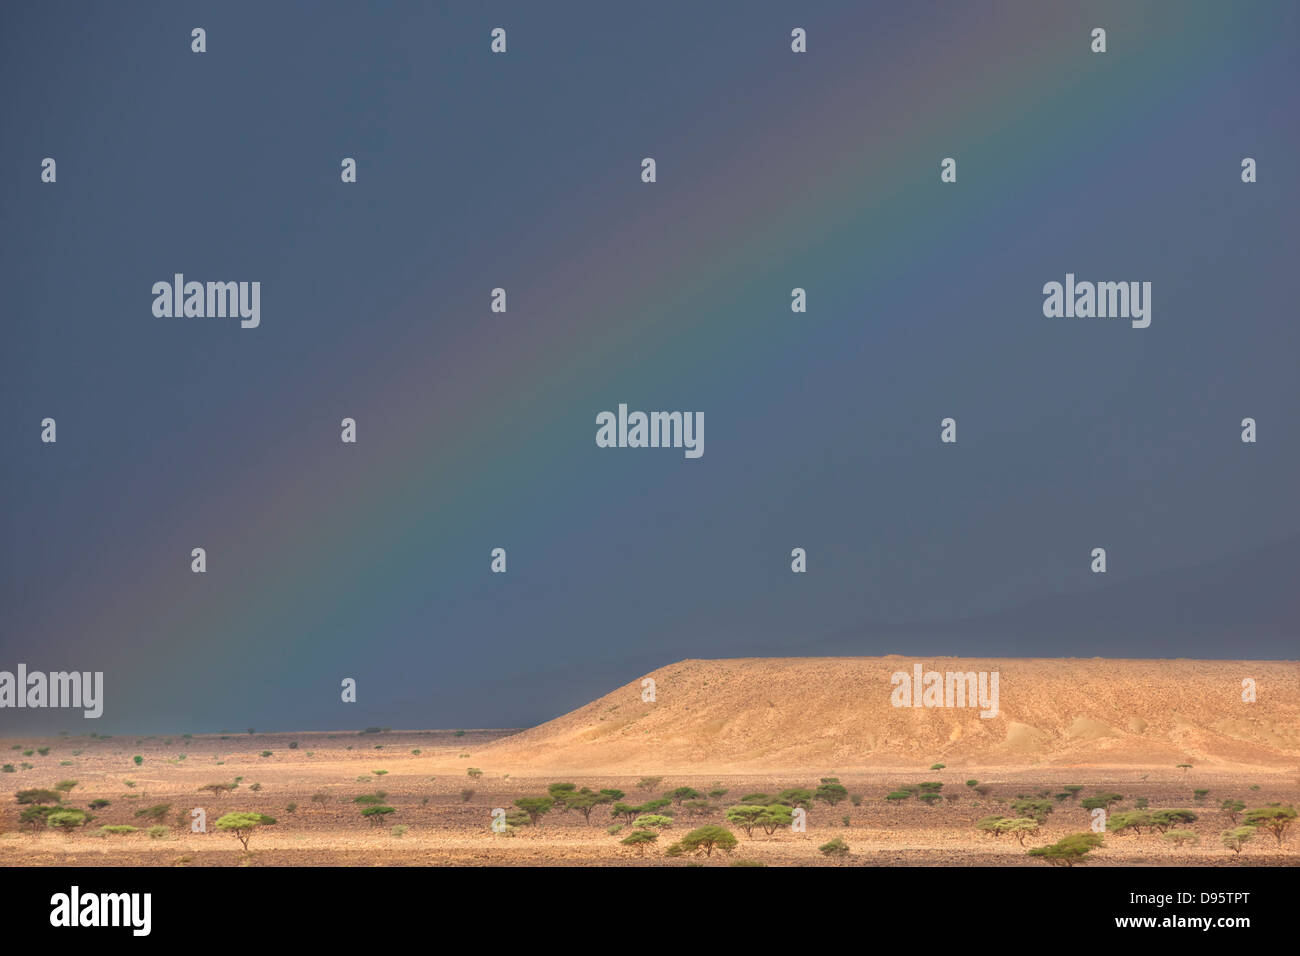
(795, 797)
(242, 825)
(535, 807)
(1068, 850)
(34, 816)
(38, 796)
(775, 816)
(1133, 820)
(745, 816)
(1232, 808)
(584, 801)
(1235, 839)
(1018, 827)
(832, 791)
(1164, 820)
(1275, 818)
(560, 793)
(707, 839)
(640, 839)
(652, 821)
(376, 813)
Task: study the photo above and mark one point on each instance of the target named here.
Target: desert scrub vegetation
(1037, 808)
(157, 813)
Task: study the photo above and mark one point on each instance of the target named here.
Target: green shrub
(67, 820)
(121, 829)
(837, 849)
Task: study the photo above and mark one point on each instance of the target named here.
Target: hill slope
(752, 714)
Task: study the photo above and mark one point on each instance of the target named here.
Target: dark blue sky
(476, 430)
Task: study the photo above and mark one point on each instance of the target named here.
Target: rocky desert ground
(1159, 734)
